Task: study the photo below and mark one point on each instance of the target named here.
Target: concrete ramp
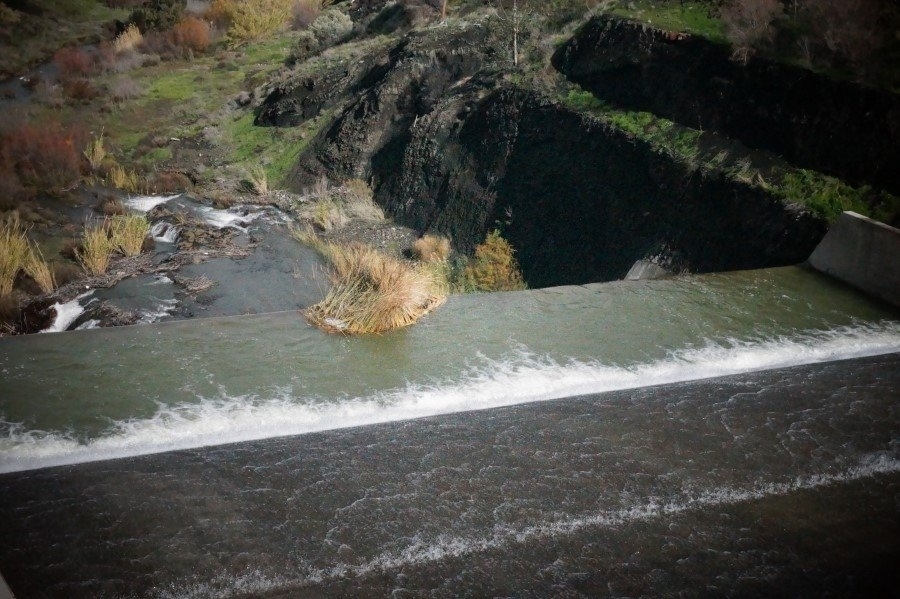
(864, 253)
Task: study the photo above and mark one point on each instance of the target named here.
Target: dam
(710, 434)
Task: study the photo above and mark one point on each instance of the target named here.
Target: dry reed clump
(13, 252)
(493, 268)
(18, 253)
(257, 180)
(97, 248)
(431, 248)
(95, 152)
(128, 40)
(334, 207)
(128, 233)
(126, 180)
(38, 269)
(372, 292)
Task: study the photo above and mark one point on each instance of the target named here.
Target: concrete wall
(864, 253)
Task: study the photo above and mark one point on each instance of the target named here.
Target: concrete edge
(5, 592)
(863, 253)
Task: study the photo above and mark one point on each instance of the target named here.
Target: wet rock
(37, 315)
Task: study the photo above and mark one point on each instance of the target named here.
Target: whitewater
(523, 377)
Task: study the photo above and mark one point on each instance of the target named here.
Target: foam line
(426, 551)
(522, 379)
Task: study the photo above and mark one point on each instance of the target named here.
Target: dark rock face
(834, 127)
(450, 150)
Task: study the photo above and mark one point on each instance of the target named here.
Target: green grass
(692, 17)
(824, 195)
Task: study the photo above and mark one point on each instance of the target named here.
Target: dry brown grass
(97, 248)
(36, 267)
(432, 248)
(95, 152)
(13, 252)
(128, 233)
(372, 292)
(128, 40)
(123, 179)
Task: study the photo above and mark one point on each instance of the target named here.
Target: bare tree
(849, 29)
(749, 23)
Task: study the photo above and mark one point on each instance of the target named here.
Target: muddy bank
(836, 127)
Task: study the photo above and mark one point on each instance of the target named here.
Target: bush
(46, 158)
(432, 248)
(493, 268)
(124, 88)
(250, 20)
(748, 23)
(79, 89)
(331, 27)
(305, 12)
(129, 40)
(158, 15)
(373, 293)
(850, 30)
(72, 63)
(191, 33)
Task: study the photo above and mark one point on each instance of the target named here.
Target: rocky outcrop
(835, 127)
(451, 149)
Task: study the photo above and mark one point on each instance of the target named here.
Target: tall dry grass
(121, 178)
(493, 268)
(128, 40)
(431, 248)
(95, 152)
(373, 293)
(128, 233)
(97, 247)
(13, 252)
(334, 207)
(18, 253)
(37, 268)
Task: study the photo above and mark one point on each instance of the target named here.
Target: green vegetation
(96, 249)
(699, 18)
(13, 252)
(493, 267)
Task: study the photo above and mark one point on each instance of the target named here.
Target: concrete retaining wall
(864, 253)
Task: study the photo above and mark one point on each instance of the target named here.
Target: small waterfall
(164, 232)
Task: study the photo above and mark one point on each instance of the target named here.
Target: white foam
(162, 309)
(147, 203)
(164, 232)
(228, 218)
(231, 419)
(66, 314)
(431, 550)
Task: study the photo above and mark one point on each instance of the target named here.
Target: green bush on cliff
(493, 267)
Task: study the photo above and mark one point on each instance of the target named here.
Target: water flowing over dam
(702, 435)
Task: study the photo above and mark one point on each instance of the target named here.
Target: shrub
(250, 20)
(124, 88)
(331, 27)
(157, 15)
(79, 89)
(96, 249)
(129, 40)
(128, 232)
(95, 152)
(432, 248)
(45, 157)
(305, 12)
(748, 24)
(72, 62)
(373, 293)
(191, 33)
(13, 252)
(850, 30)
(110, 206)
(493, 268)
